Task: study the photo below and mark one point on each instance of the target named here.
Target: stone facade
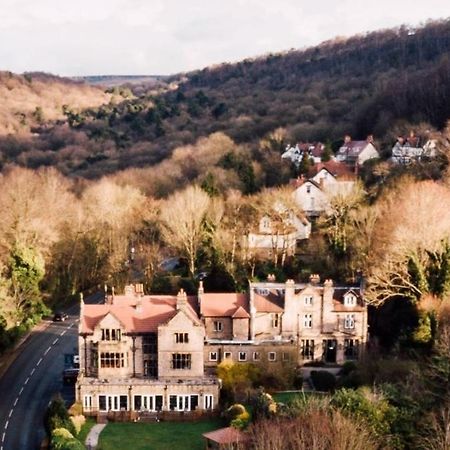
(159, 353)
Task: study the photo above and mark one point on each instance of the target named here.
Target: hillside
(372, 84)
(33, 99)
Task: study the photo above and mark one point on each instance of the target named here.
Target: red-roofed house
(148, 354)
(357, 152)
(143, 353)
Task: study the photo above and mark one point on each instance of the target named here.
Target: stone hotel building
(150, 353)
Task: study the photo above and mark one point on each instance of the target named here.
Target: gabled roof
(241, 313)
(338, 299)
(152, 312)
(222, 305)
(335, 168)
(353, 148)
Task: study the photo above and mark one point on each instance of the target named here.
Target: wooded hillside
(371, 84)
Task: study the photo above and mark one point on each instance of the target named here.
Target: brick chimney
(347, 139)
(200, 293)
(314, 278)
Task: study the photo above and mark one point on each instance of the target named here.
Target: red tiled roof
(271, 303)
(153, 312)
(336, 168)
(224, 436)
(222, 305)
(241, 313)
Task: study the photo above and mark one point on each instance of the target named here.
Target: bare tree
(412, 224)
(183, 217)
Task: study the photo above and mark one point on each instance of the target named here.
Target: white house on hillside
(407, 150)
(357, 152)
(314, 194)
(278, 234)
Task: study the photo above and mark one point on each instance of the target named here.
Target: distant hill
(120, 80)
(33, 99)
(370, 84)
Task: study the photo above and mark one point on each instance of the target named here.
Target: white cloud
(166, 36)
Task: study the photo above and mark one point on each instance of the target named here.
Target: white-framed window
(308, 300)
(242, 356)
(350, 300)
(275, 320)
(181, 338)
(213, 356)
(256, 356)
(307, 321)
(227, 355)
(218, 325)
(87, 402)
(208, 401)
(113, 402)
(349, 321)
(147, 402)
(272, 356)
(183, 402)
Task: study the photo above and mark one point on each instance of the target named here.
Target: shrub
(58, 417)
(62, 439)
(323, 380)
(78, 421)
(238, 416)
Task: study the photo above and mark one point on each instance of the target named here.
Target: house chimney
(200, 293)
(139, 305)
(347, 138)
(370, 138)
(181, 300)
(314, 278)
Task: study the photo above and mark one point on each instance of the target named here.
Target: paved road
(28, 385)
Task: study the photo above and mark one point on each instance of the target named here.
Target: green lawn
(157, 436)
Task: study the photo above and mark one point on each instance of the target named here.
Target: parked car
(70, 375)
(60, 316)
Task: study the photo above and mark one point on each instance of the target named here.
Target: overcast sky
(85, 37)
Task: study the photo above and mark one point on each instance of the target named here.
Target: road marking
(15, 401)
(21, 390)
(63, 333)
(27, 380)
(46, 351)
(3, 438)
(39, 362)
(6, 424)
(11, 413)
(55, 341)
(34, 370)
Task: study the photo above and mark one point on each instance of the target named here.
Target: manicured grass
(90, 422)
(157, 436)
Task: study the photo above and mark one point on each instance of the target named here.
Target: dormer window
(350, 300)
(111, 334)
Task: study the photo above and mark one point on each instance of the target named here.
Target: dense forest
(370, 84)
